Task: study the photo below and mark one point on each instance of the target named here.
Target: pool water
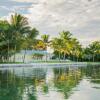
(50, 83)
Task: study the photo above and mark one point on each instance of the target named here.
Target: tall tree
(57, 45)
(20, 27)
(66, 38)
(28, 42)
(45, 39)
(5, 35)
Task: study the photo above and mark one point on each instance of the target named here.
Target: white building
(28, 55)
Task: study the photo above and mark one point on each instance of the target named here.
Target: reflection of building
(28, 54)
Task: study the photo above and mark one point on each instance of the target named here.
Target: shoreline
(48, 64)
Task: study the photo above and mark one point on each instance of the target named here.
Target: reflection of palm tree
(9, 86)
(66, 79)
(13, 87)
(94, 73)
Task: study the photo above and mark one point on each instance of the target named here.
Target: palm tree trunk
(8, 52)
(64, 56)
(59, 56)
(14, 53)
(24, 56)
(77, 59)
(2, 58)
(46, 54)
(73, 57)
(93, 57)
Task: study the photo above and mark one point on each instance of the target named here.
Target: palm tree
(66, 45)
(19, 25)
(95, 49)
(29, 41)
(5, 35)
(39, 45)
(66, 35)
(66, 38)
(45, 39)
(57, 45)
(66, 49)
(75, 47)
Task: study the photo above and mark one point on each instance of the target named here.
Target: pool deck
(48, 64)
(43, 64)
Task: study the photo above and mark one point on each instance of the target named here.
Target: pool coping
(48, 64)
(40, 64)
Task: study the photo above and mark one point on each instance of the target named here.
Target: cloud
(81, 17)
(24, 1)
(73, 15)
(9, 6)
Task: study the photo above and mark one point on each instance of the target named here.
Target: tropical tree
(66, 35)
(15, 35)
(62, 44)
(66, 38)
(20, 27)
(93, 51)
(5, 41)
(28, 42)
(45, 39)
(67, 45)
(57, 44)
(39, 45)
(76, 50)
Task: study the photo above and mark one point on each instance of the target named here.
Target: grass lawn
(49, 61)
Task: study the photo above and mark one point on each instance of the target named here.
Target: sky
(80, 17)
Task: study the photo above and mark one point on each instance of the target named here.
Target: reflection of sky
(53, 95)
(81, 17)
(86, 92)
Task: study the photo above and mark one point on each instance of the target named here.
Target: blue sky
(81, 17)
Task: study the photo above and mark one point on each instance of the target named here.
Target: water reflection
(49, 83)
